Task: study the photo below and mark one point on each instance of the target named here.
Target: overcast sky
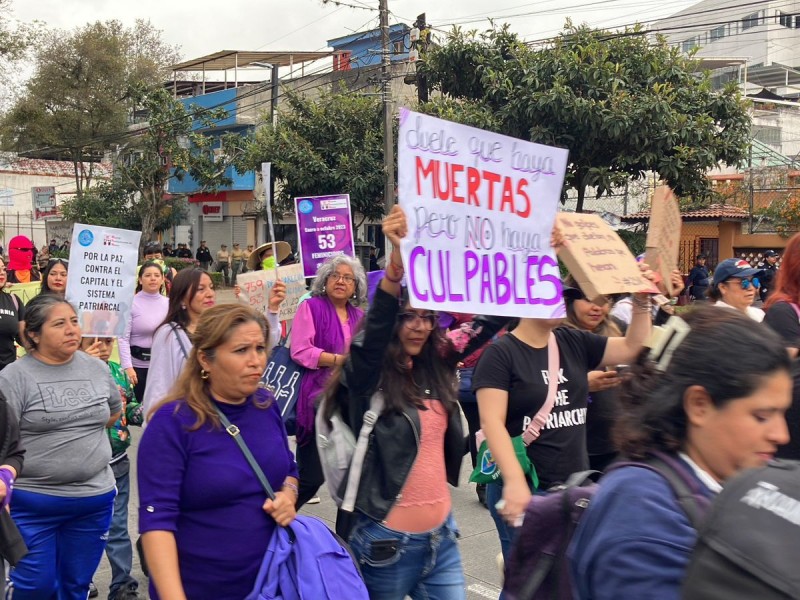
(201, 27)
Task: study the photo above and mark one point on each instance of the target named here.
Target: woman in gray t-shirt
(62, 503)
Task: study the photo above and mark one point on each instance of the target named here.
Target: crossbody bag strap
(236, 434)
(180, 341)
(553, 369)
(360, 452)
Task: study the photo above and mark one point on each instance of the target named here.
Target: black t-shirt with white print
(513, 366)
(12, 311)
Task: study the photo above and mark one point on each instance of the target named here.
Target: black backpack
(749, 545)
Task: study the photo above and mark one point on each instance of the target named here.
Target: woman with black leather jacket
(403, 533)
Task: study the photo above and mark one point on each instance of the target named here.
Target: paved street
(479, 543)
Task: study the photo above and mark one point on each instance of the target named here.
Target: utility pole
(422, 80)
(388, 117)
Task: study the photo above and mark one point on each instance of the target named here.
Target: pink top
(304, 352)
(425, 499)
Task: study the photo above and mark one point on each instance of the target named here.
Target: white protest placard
(256, 285)
(480, 209)
(101, 280)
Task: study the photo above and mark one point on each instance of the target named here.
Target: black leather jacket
(395, 439)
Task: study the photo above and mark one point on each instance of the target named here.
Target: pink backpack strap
(553, 370)
(796, 309)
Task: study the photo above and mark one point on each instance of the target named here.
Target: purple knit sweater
(198, 485)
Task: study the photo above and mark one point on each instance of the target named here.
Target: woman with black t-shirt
(783, 316)
(12, 319)
(511, 382)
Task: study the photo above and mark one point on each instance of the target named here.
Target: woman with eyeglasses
(735, 285)
(54, 277)
(402, 531)
(321, 334)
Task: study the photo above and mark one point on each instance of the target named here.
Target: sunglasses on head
(746, 283)
(53, 261)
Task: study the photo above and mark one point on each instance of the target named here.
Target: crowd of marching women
(547, 398)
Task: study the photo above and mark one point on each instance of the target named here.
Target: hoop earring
(204, 374)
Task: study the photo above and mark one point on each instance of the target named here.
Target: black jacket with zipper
(394, 441)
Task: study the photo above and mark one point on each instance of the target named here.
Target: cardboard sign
(480, 209)
(597, 258)
(256, 285)
(101, 280)
(664, 236)
(324, 229)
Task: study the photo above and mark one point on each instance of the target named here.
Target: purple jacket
(327, 337)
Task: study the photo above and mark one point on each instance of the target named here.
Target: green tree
(77, 103)
(174, 143)
(622, 103)
(16, 40)
(328, 145)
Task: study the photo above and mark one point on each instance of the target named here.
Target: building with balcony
(231, 213)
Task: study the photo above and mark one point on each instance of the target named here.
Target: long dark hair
(45, 289)
(184, 287)
(403, 379)
(713, 355)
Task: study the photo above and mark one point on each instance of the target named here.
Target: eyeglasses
(348, 279)
(413, 320)
(746, 283)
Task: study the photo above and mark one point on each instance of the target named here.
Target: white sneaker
(314, 500)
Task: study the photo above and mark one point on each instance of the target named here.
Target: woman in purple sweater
(204, 517)
(148, 312)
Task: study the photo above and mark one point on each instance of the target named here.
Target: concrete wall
(16, 204)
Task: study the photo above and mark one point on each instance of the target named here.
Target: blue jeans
(119, 549)
(507, 533)
(65, 539)
(421, 565)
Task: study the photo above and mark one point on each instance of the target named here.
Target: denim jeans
(421, 565)
(507, 533)
(65, 539)
(119, 549)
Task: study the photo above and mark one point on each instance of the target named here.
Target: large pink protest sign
(324, 229)
(480, 209)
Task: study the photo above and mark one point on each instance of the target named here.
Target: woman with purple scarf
(321, 334)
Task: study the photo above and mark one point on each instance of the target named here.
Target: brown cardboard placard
(597, 258)
(664, 236)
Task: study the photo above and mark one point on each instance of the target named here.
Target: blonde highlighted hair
(214, 328)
